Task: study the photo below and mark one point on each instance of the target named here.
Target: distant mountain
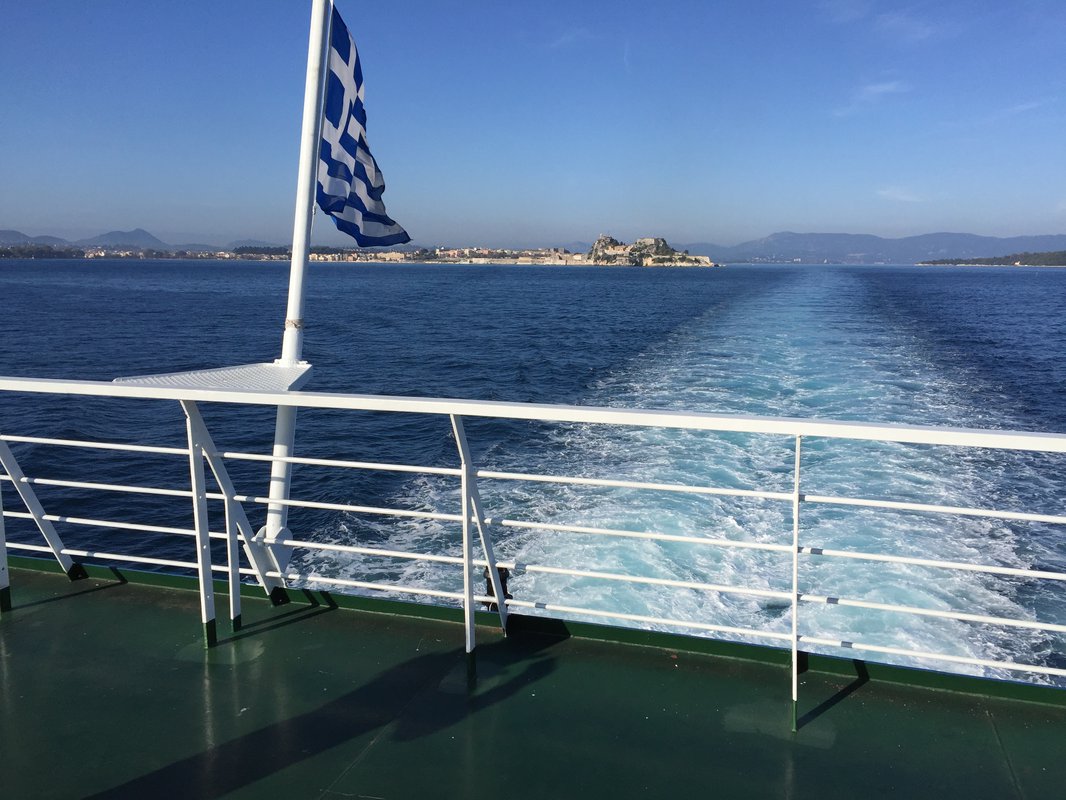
(13, 237)
(704, 248)
(250, 243)
(138, 237)
(850, 248)
(197, 248)
(53, 240)
(967, 245)
(18, 237)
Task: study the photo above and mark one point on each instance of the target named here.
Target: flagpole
(292, 339)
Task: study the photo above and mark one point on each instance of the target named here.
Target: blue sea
(965, 347)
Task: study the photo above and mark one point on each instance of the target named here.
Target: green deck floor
(107, 691)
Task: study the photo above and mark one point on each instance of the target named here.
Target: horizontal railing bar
(898, 651)
(704, 626)
(624, 534)
(620, 484)
(1008, 571)
(35, 548)
(184, 493)
(614, 576)
(296, 576)
(930, 562)
(109, 487)
(132, 448)
(160, 562)
(369, 551)
(735, 423)
(104, 523)
(392, 512)
(1054, 519)
(244, 499)
(930, 612)
(329, 462)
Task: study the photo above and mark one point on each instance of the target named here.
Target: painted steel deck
(108, 691)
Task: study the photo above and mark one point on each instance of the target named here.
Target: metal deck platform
(109, 692)
(264, 377)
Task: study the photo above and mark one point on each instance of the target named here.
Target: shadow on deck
(108, 692)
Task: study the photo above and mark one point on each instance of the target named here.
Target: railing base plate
(77, 573)
(210, 634)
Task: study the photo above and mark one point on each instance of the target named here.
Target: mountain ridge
(138, 237)
(866, 248)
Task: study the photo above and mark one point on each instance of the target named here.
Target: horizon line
(245, 241)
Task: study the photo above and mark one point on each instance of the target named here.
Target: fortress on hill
(647, 252)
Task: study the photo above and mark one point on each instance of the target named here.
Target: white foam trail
(780, 353)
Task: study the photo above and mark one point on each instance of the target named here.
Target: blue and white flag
(350, 184)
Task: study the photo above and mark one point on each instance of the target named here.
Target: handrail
(961, 511)
(936, 563)
(541, 412)
(130, 448)
(474, 519)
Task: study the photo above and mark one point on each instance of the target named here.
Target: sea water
(930, 346)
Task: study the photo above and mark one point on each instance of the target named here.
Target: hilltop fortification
(647, 252)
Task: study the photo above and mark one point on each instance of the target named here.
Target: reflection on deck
(108, 691)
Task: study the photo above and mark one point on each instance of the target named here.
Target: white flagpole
(292, 340)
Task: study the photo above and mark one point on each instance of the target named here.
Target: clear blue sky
(545, 122)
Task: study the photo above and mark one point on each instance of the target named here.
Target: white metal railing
(477, 525)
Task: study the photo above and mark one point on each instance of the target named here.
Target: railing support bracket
(474, 510)
(33, 505)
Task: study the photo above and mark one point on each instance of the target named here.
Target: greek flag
(350, 184)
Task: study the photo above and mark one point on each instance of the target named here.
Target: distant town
(777, 248)
(607, 251)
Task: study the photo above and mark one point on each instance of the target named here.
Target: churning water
(958, 347)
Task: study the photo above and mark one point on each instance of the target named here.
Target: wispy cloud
(1021, 108)
(870, 94)
(905, 27)
(998, 115)
(570, 38)
(902, 26)
(900, 194)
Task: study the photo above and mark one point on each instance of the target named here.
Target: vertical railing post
(260, 558)
(233, 563)
(474, 511)
(203, 539)
(468, 563)
(796, 499)
(5, 578)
